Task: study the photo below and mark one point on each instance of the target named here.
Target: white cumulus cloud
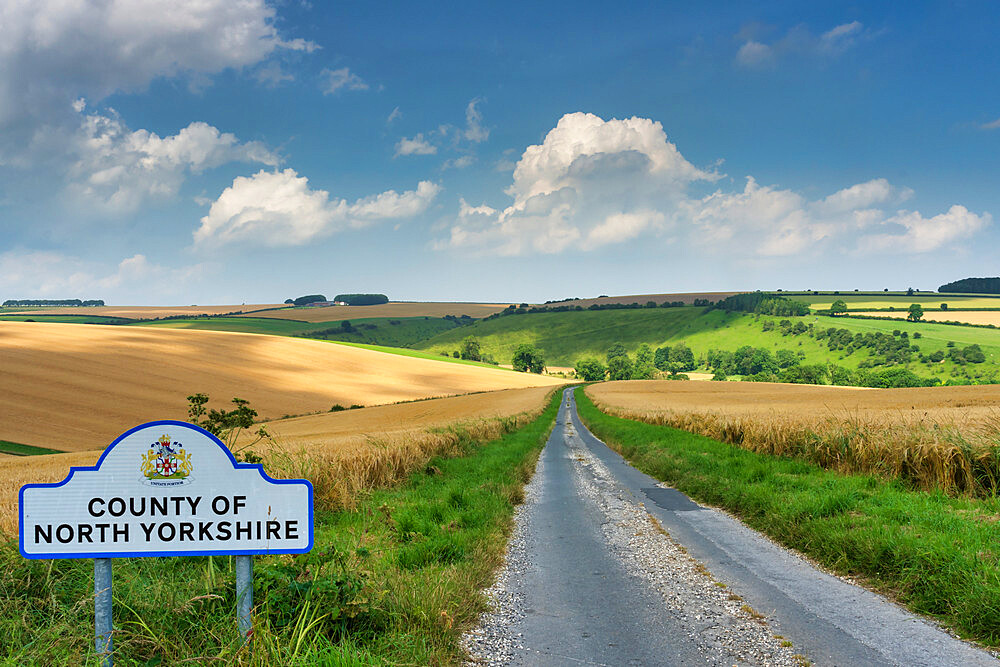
(593, 183)
(280, 209)
(53, 52)
(118, 169)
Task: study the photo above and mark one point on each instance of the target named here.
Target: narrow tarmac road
(608, 567)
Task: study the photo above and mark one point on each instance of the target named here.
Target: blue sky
(223, 152)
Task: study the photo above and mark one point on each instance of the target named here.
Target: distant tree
(909, 292)
(362, 299)
(661, 358)
(470, 349)
(616, 350)
(915, 312)
(590, 370)
(643, 368)
(838, 307)
(650, 304)
(620, 368)
(785, 358)
(526, 358)
(944, 306)
(290, 301)
(683, 356)
(307, 299)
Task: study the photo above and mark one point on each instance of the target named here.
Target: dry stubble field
(342, 453)
(934, 437)
(964, 316)
(75, 387)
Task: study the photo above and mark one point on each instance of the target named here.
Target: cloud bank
(594, 183)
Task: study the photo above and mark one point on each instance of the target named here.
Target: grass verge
(394, 581)
(938, 555)
(17, 449)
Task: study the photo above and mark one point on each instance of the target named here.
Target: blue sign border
(148, 554)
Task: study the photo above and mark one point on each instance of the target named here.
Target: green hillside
(394, 332)
(568, 336)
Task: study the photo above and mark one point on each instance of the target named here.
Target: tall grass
(926, 455)
(339, 479)
(403, 548)
(936, 553)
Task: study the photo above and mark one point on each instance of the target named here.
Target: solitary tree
(916, 312)
(526, 358)
(944, 306)
(838, 307)
(470, 349)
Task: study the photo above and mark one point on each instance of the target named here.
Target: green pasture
(66, 319)
(17, 449)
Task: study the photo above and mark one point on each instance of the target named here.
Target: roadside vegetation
(935, 553)
(920, 440)
(395, 577)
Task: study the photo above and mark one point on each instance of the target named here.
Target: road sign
(165, 488)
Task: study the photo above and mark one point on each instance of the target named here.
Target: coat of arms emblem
(166, 463)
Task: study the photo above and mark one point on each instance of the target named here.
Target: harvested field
(963, 316)
(687, 297)
(340, 452)
(391, 309)
(74, 387)
(142, 312)
(944, 438)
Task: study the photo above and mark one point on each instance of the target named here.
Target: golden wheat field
(391, 309)
(75, 387)
(944, 438)
(144, 312)
(340, 452)
(964, 316)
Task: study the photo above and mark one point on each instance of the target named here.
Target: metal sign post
(103, 642)
(244, 596)
(165, 488)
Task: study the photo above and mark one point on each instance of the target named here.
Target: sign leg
(103, 642)
(244, 595)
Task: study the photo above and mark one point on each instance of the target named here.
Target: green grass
(371, 330)
(394, 582)
(418, 354)
(17, 449)
(566, 337)
(67, 319)
(938, 555)
(258, 325)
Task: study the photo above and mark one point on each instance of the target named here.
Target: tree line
(18, 303)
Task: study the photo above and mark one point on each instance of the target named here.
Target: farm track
(608, 567)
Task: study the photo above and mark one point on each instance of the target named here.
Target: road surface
(609, 567)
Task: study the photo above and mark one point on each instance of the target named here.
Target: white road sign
(166, 488)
